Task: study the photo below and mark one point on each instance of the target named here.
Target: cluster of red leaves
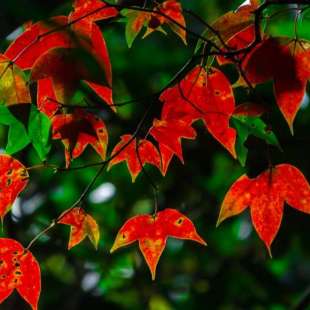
(55, 53)
(288, 65)
(200, 95)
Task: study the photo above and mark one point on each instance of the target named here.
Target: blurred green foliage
(234, 272)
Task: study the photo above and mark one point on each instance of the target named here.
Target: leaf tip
(114, 248)
(269, 251)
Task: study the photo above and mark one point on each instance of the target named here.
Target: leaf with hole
(19, 270)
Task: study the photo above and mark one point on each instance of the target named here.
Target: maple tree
(56, 84)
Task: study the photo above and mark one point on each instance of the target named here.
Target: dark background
(234, 271)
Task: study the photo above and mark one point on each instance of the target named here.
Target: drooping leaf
(152, 233)
(288, 64)
(67, 67)
(32, 43)
(19, 270)
(247, 126)
(207, 96)
(136, 154)
(265, 196)
(39, 130)
(78, 130)
(82, 225)
(17, 136)
(13, 88)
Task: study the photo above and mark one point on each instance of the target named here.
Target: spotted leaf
(13, 86)
(82, 225)
(13, 180)
(265, 196)
(207, 96)
(19, 270)
(152, 233)
(78, 130)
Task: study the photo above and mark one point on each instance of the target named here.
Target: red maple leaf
(288, 64)
(265, 195)
(152, 233)
(82, 225)
(30, 45)
(207, 96)
(77, 130)
(136, 154)
(169, 134)
(19, 270)
(13, 179)
(87, 60)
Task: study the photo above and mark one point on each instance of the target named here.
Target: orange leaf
(19, 270)
(265, 195)
(152, 233)
(13, 180)
(135, 154)
(13, 87)
(77, 130)
(82, 225)
(288, 65)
